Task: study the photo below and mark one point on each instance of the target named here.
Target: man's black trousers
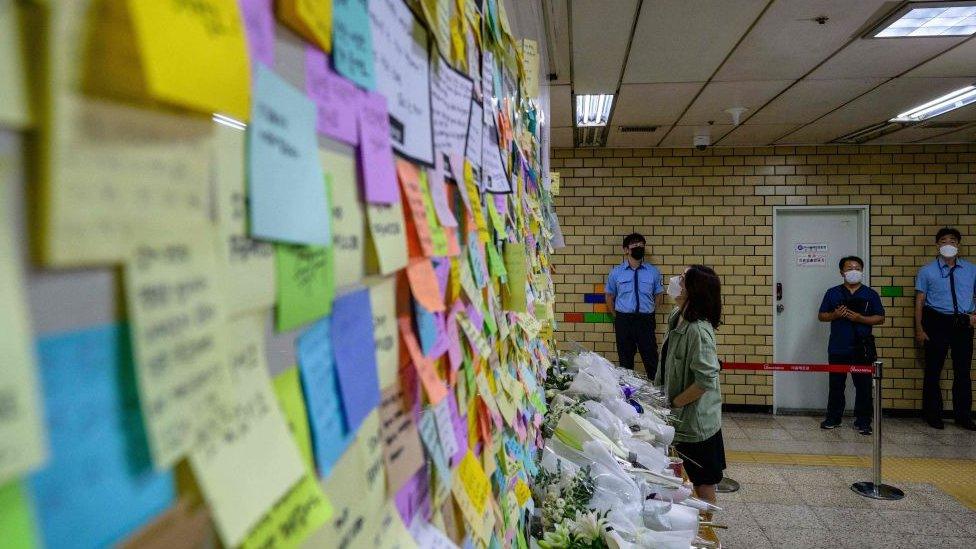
(635, 332)
(947, 333)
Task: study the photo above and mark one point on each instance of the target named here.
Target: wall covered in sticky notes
(253, 261)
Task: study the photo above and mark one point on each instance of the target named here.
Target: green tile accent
(892, 291)
(597, 318)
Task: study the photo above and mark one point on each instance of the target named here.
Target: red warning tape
(781, 367)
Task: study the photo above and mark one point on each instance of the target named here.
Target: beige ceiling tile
(685, 40)
(808, 99)
(786, 43)
(718, 96)
(652, 104)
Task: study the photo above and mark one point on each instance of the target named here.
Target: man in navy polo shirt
(944, 320)
(633, 291)
(852, 309)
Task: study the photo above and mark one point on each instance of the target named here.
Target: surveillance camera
(702, 141)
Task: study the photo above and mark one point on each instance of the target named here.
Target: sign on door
(811, 254)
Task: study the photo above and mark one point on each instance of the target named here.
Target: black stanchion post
(877, 490)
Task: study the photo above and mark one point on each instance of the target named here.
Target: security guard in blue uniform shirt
(852, 309)
(945, 315)
(633, 291)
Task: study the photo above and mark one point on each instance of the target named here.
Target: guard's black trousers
(635, 332)
(947, 333)
(836, 401)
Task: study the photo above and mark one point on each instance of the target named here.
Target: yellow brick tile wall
(715, 207)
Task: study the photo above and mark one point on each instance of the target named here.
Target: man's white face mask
(948, 251)
(853, 277)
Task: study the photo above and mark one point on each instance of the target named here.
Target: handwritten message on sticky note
(348, 218)
(451, 100)
(312, 19)
(248, 281)
(288, 197)
(194, 58)
(305, 284)
(514, 296)
(352, 41)
(402, 452)
(382, 303)
(355, 355)
(375, 152)
(336, 99)
(232, 469)
(320, 384)
(98, 485)
(288, 391)
(388, 235)
(175, 308)
(413, 197)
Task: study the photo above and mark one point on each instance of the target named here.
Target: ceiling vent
(591, 136)
(638, 129)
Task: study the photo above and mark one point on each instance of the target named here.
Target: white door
(808, 244)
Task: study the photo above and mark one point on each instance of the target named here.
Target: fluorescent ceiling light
(593, 110)
(948, 102)
(229, 122)
(929, 19)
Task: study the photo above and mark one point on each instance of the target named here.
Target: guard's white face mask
(674, 287)
(948, 251)
(853, 277)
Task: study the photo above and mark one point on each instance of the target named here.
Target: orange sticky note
(423, 284)
(433, 384)
(413, 199)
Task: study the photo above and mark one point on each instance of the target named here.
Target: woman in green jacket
(689, 375)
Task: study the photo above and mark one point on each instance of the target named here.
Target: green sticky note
(495, 264)
(306, 284)
(16, 521)
(892, 291)
(497, 221)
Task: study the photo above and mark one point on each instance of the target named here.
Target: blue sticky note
(98, 485)
(426, 328)
(352, 42)
(327, 423)
(355, 352)
(285, 179)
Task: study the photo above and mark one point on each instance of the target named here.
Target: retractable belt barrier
(874, 490)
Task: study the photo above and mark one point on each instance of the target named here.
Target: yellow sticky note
(522, 492)
(348, 217)
(14, 104)
(554, 183)
(254, 461)
(474, 480)
(22, 444)
(475, 198)
(437, 235)
(174, 306)
(530, 65)
(514, 297)
(194, 55)
(310, 18)
(293, 519)
(389, 532)
(288, 390)
(357, 489)
(382, 301)
(387, 232)
(248, 266)
(438, 15)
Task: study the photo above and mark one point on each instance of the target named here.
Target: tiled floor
(796, 481)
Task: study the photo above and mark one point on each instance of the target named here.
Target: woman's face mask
(674, 287)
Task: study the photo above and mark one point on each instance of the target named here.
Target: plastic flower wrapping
(605, 475)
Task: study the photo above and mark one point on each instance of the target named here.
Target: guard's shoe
(862, 428)
(935, 423)
(829, 424)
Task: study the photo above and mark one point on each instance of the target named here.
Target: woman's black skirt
(704, 461)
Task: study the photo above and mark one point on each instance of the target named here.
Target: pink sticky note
(337, 100)
(438, 191)
(259, 27)
(375, 150)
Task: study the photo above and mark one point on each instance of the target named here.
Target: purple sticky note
(376, 152)
(336, 99)
(442, 268)
(440, 343)
(438, 191)
(259, 26)
(501, 203)
(413, 497)
(460, 431)
(454, 353)
(355, 354)
(476, 317)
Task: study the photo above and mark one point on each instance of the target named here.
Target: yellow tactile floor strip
(956, 477)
